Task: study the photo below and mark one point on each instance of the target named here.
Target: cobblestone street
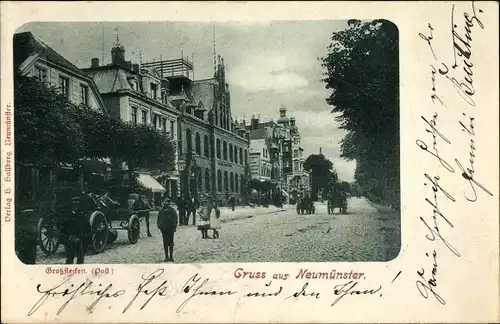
(364, 234)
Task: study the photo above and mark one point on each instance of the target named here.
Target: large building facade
(212, 147)
(282, 141)
(140, 96)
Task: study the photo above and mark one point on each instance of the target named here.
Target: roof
(259, 133)
(202, 90)
(111, 80)
(26, 44)
(257, 145)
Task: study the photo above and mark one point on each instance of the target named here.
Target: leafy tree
(362, 67)
(51, 131)
(44, 133)
(321, 173)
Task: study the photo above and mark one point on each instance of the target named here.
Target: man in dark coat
(181, 207)
(75, 228)
(167, 224)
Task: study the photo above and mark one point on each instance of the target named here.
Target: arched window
(231, 181)
(189, 140)
(225, 181)
(197, 140)
(236, 182)
(224, 150)
(219, 180)
(206, 146)
(207, 180)
(218, 148)
(235, 155)
(230, 152)
(241, 183)
(199, 180)
(241, 155)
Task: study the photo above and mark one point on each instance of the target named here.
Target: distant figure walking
(181, 207)
(167, 224)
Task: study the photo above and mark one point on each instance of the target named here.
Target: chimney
(254, 123)
(135, 68)
(94, 62)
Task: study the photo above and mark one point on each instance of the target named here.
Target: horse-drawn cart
(105, 216)
(337, 200)
(305, 206)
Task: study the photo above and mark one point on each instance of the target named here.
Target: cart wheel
(48, 236)
(99, 226)
(134, 229)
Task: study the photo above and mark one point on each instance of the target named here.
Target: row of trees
(324, 177)
(51, 131)
(362, 70)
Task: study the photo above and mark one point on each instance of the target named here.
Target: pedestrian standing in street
(215, 223)
(203, 215)
(193, 209)
(167, 224)
(75, 229)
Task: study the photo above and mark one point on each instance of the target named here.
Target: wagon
(305, 206)
(105, 218)
(110, 216)
(337, 200)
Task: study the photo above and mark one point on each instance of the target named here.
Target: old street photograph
(187, 142)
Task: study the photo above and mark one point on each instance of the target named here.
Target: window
(225, 181)
(236, 182)
(144, 117)
(219, 180)
(246, 157)
(64, 85)
(41, 73)
(241, 155)
(295, 153)
(164, 126)
(296, 165)
(154, 91)
(218, 148)
(207, 180)
(206, 146)
(231, 152)
(84, 94)
(171, 128)
(197, 140)
(231, 181)
(285, 147)
(224, 150)
(133, 117)
(155, 122)
(235, 155)
(189, 140)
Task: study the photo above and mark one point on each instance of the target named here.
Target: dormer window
(154, 91)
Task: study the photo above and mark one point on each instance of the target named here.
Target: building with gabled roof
(34, 58)
(212, 146)
(139, 95)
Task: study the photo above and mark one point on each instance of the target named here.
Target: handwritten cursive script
(71, 291)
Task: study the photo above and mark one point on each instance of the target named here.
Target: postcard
(250, 162)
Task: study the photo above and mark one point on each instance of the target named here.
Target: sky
(267, 64)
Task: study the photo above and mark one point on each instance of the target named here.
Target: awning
(149, 182)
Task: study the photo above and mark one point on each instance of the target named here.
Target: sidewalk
(242, 212)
